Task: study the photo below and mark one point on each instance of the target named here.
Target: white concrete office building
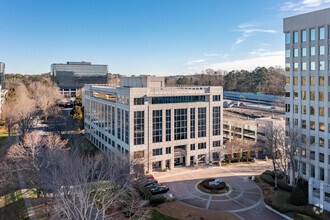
(307, 52)
(156, 125)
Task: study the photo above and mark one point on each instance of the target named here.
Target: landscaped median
(292, 201)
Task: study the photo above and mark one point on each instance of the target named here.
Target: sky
(156, 37)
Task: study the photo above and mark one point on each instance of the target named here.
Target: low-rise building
(161, 127)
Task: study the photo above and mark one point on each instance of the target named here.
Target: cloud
(263, 58)
(305, 5)
(247, 30)
(211, 54)
(191, 62)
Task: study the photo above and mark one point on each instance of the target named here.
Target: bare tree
(247, 146)
(234, 146)
(294, 153)
(9, 115)
(274, 143)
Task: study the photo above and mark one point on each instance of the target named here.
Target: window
(312, 65)
(287, 38)
(321, 80)
(321, 96)
(156, 152)
(303, 95)
(168, 125)
(312, 125)
(201, 122)
(118, 123)
(180, 124)
(126, 100)
(321, 142)
(312, 80)
(296, 67)
(287, 80)
(157, 126)
(312, 95)
(312, 52)
(216, 120)
(287, 94)
(192, 122)
(312, 140)
(287, 67)
(303, 66)
(138, 154)
(287, 107)
(287, 121)
(303, 80)
(321, 157)
(138, 127)
(312, 110)
(303, 52)
(216, 143)
(287, 53)
(321, 174)
(303, 166)
(321, 111)
(295, 108)
(295, 52)
(295, 37)
(303, 123)
(295, 93)
(295, 80)
(216, 98)
(303, 138)
(312, 34)
(322, 65)
(201, 145)
(303, 109)
(138, 101)
(168, 150)
(322, 50)
(321, 33)
(303, 36)
(295, 122)
(192, 146)
(321, 128)
(126, 127)
(312, 173)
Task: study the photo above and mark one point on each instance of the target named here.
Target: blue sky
(158, 37)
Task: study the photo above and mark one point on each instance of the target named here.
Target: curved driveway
(245, 199)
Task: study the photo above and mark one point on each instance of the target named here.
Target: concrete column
(256, 153)
(322, 195)
(187, 160)
(150, 167)
(163, 165)
(171, 164)
(291, 176)
(310, 190)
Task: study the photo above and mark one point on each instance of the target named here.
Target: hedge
(269, 179)
(235, 160)
(155, 200)
(143, 191)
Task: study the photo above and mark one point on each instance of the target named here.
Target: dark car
(154, 186)
(159, 190)
(146, 184)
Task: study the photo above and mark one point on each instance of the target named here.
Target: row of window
(303, 80)
(312, 125)
(312, 95)
(312, 171)
(304, 51)
(303, 35)
(312, 66)
(312, 110)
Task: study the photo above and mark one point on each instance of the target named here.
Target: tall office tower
(2, 75)
(155, 125)
(72, 76)
(307, 38)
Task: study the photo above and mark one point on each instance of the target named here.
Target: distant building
(72, 76)
(158, 126)
(2, 75)
(307, 65)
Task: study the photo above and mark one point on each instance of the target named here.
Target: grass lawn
(155, 215)
(12, 206)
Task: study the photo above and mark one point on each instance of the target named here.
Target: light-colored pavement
(245, 198)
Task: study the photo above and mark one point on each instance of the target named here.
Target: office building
(72, 76)
(158, 126)
(2, 75)
(307, 58)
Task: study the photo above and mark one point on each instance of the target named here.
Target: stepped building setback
(161, 127)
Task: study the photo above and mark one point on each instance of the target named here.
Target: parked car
(154, 186)
(159, 190)
(147, 177)
(146, 184)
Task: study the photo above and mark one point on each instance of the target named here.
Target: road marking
(208, 202)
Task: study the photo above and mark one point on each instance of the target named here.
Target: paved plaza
(244, 199)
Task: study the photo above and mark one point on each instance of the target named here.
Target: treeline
(261, 79)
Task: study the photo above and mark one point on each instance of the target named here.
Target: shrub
(298, 197)
(269, 179)
(143, 191)
(155, 200)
